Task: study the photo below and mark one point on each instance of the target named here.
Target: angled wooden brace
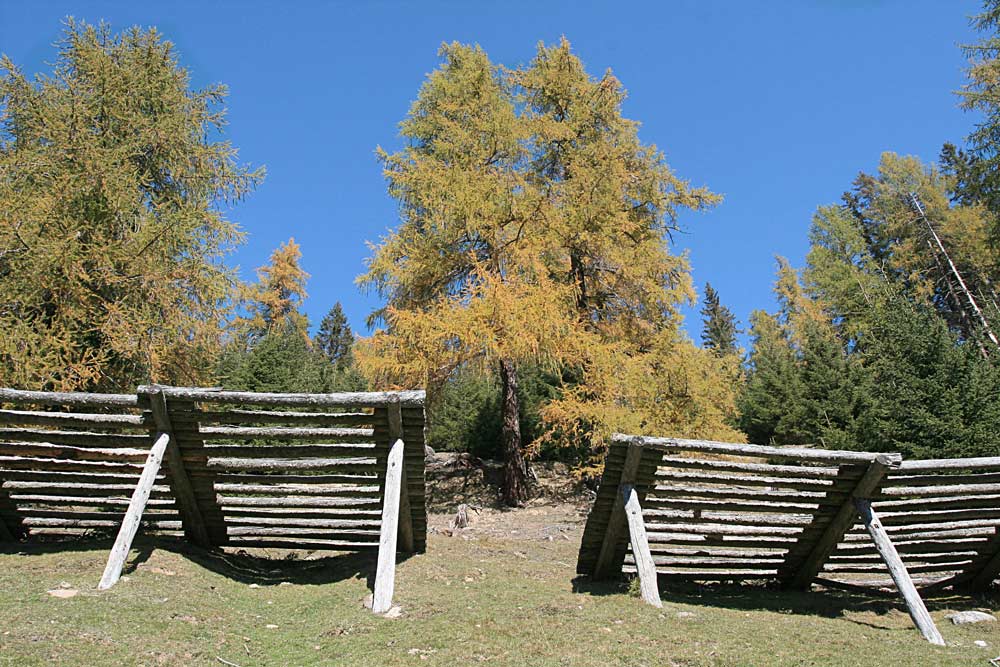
(628, 512)
(180, 484)
(396, 526)
(133, 516)
(897, 570)
(803, 575)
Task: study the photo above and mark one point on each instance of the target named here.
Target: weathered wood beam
(608, 563)
(644, 564)
(904, 584)
(736, 449)
(180, 483)
(130, 524)
(346, 399)
(385, 573)
(394, 417)
(981, 574)
(67, 398)
(800, 573)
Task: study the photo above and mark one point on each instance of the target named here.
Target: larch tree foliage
(114, 184)
(275, 301)
(977, 167)
(532, 231)
(719, 329)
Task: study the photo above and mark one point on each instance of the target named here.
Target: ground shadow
(828, 603)
(249, 568)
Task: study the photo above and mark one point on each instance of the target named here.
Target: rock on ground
(965, 617)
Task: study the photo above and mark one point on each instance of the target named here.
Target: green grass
(485, 600)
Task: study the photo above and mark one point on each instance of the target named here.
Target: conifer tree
(111, 230)
(718, 324)
(335, 338)
(533, 224)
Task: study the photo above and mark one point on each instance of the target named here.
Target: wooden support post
(609, 560)
(981, 580)
(644, 565)
(180, 483)
(395, 418)
(385, 573)
(130, 524)
(800, 575)
(914, 604)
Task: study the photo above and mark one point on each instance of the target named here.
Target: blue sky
(776, 105)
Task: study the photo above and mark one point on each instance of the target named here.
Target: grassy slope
(488, 599)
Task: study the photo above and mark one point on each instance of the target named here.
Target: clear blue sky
(776, 105)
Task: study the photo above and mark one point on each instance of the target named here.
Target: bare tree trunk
(515, 472)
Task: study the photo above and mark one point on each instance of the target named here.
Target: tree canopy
(113, 187)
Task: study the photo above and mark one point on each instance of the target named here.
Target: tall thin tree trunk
(515, 472)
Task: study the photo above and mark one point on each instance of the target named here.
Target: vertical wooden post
(801, 574)
(644, 565)
(608, 561)
(394, 416)
(385, 573)
(987, 573)
(897, 570)
(180, 483)
(130, 524)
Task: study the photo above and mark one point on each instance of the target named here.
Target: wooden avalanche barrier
(710, 511)
(340, 472)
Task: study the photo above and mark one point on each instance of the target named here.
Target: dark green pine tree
(718, 325)
(335, 338)
(770, 405)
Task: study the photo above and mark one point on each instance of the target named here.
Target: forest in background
(530, 283)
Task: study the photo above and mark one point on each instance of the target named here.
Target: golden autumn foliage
(277, 297)
(534, 228)
(111, 226)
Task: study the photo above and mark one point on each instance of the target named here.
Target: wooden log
(297, 543)
(180, 483)
(284, 433)
(986, 463)
(307, 501)
(914, 604)
(901, 518)
(63, 465)
(735, 449)
(955, 489)
(806, 472)
(385, 573)
(72, 419)
(302, 522)
(70, 453)
(130, 524)
(19, 396)
(81, 489)
(678, 491)
(272, 417)
(37, 499)
(919, 479)
(405, 539)
(96, 523)
(800, 570)
(609, 558)
(757, 506)
(282, 451)
(356, 464)
(345, 399)
(648, 587)
(929, 504)
(729, 518)
(723, 529)
(982, 574)
(77, 438)
(321, 489)
(734, 480)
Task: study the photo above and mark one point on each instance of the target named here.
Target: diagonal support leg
(914, 604)
(130, 524)
(801, 571)
(612, 554)
(385, 573)
(644, 564)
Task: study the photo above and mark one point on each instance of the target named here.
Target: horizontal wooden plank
(985, 463)
(243, 417)
(77, 438)
(71, 453)
(736, 449)
(718, 465)
(299, 501)
(351, 490)
(357, 464)
(302, 544)
(19, 396)
(49, 464)
(207, 433)
(344, 399)
(74, 419)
